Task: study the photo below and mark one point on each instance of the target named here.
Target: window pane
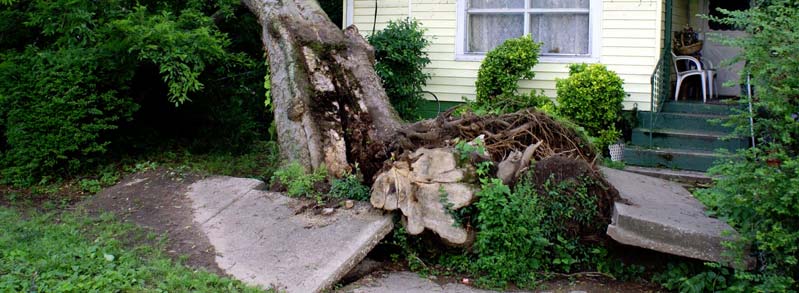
(496, 3)
(487, 31)
(561, 33)
(560, 3)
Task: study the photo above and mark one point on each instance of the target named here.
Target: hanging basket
(690, 49)
(616, 152)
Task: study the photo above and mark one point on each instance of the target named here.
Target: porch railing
(661, 77)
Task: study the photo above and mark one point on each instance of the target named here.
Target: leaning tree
(331, 109)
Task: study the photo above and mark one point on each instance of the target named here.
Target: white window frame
(594, 28)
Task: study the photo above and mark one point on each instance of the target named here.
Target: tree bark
(330, 106)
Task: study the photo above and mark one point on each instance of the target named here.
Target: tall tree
(330, 107)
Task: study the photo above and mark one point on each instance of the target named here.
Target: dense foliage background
(84, 81)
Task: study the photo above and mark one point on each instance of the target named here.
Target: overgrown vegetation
(592, 97)
(349, 187)
(498, 78)
(298, 182)
(71, 252)
(400, 58)
(83, 83)
(758, 193)
(549, 223)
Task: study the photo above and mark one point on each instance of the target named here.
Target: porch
(678, 131)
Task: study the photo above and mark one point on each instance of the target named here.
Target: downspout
(410, 9)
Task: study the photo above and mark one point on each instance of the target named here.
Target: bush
(60, 108)
(298, 182)
(510, 245)
(349, 187)
(592, 97)
(400, 60)
(81, 82)
(498, 78)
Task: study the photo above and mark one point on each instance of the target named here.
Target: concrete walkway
(663, 216)
(267, 239)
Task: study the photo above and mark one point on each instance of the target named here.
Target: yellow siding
(630, 45)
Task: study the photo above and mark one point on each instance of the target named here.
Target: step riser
(682, 122)
(650, 158)
(695, 108)
(705, 143)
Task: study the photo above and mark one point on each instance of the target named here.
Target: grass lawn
(72, 252)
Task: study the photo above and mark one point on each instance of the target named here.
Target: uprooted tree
(331, 110)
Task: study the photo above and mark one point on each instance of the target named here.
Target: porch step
(683, 121)
(695, 160)
(686, 140)
(698, 108)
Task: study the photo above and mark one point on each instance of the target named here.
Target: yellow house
(629, 36)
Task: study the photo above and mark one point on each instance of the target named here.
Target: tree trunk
(331, 109)
(330, 106)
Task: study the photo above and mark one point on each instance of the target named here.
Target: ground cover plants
(73, 252)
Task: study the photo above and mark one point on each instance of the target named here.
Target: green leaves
(592, 97)
(349, 187)
(400, 59)
(74, 71)
(504, 66)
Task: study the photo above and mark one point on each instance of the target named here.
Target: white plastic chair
(693, 67)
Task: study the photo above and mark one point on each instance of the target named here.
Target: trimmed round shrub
(592, 97)
(503, 67)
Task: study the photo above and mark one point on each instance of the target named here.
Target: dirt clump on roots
(555, 170)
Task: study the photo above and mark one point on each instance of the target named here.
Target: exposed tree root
(503, 134)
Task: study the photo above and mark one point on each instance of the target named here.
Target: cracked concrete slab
(267, 239)
(663, 216)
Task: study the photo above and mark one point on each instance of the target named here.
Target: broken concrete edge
(384, 227)
(681, 176)
(627, 235)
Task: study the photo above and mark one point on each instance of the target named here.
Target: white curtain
(496, 4)
(560, 32)
(487, 31)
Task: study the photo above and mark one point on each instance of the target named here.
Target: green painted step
(698, 108)
(683, 121)
(688, 140)
(671, 158)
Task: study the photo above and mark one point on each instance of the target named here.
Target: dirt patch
(156, 201)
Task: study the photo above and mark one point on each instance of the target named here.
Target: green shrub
(400, 60)
(592, 97)
(298, 182)
(60, 108)
(498, 78)
(349, 187)
(82, 82)
(510, 244)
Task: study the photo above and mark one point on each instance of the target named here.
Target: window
(567, 28)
